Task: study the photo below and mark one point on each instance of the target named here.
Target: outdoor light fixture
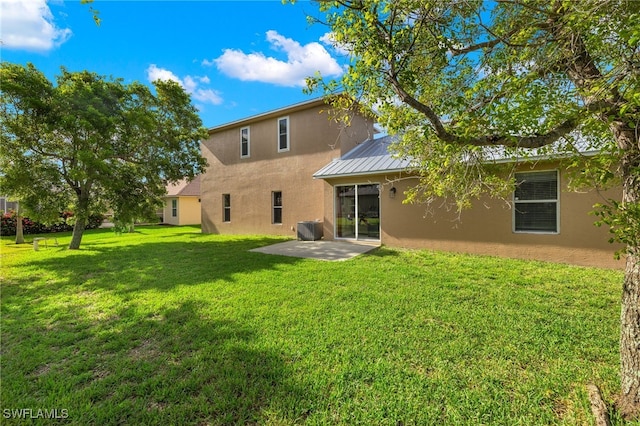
(392, 192)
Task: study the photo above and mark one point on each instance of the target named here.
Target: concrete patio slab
(320, 250)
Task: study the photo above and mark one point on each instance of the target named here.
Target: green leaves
(623, 220)
(453, 76)
(101, 140)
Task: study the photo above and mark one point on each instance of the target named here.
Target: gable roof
(184, 188)
(270, 114)
(368, 158)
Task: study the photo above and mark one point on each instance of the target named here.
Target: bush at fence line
(8, 225)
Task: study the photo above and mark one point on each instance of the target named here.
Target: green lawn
(168, 326)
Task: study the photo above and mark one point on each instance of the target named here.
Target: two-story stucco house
(269, 172)
(260, 174)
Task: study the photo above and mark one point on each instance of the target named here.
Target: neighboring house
(357, 190)
(260, 174)
(182, 203)
(6, 205)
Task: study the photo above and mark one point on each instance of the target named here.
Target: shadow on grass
(382, 251)
(156, 265)
(68, 344)
(176, 367)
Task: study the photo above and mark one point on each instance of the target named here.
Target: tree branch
(473, 47)
(511, 141)
(433, 118)
(527, 6)
(529, 142)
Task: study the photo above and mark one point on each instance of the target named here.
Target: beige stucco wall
(189, 211)
(487, 228)
(314, 142)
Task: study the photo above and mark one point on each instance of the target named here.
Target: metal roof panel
(369, 157)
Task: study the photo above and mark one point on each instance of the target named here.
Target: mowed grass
(170, 326)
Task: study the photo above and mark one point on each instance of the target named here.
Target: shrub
(8, 224)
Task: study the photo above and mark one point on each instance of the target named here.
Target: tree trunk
(81, 215)
(19, 230)
(629, 403)
(76, 236)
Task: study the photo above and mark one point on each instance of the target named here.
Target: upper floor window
(536, 202)
(283, 134)
(245, 143)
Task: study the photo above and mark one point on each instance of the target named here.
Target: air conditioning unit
(309, 231)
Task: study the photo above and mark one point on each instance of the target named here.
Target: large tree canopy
(464, 81)
(89, 142)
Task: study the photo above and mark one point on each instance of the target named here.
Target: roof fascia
(269, 114)
(371, 173)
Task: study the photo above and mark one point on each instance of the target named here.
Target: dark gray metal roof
(370, 157)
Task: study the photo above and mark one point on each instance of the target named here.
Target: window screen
(536, 202)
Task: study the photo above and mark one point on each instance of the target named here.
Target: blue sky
(235, 58)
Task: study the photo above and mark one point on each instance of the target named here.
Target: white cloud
(189, 84)
(209, 96)
(302, 62)
(154, 73)
(29, 25)
(340, 48)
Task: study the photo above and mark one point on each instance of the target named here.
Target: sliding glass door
(357, 211)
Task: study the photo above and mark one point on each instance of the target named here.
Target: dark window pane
(226, 207)
(539, 217)
(283, 125)
(244, 142)
(277, 215)
(536, 186)
(277, 206)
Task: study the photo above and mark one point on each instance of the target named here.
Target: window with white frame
(245, 143)
(277, 207)
(226, 207)
(174, 208)
(536, 202)
(283, 134)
